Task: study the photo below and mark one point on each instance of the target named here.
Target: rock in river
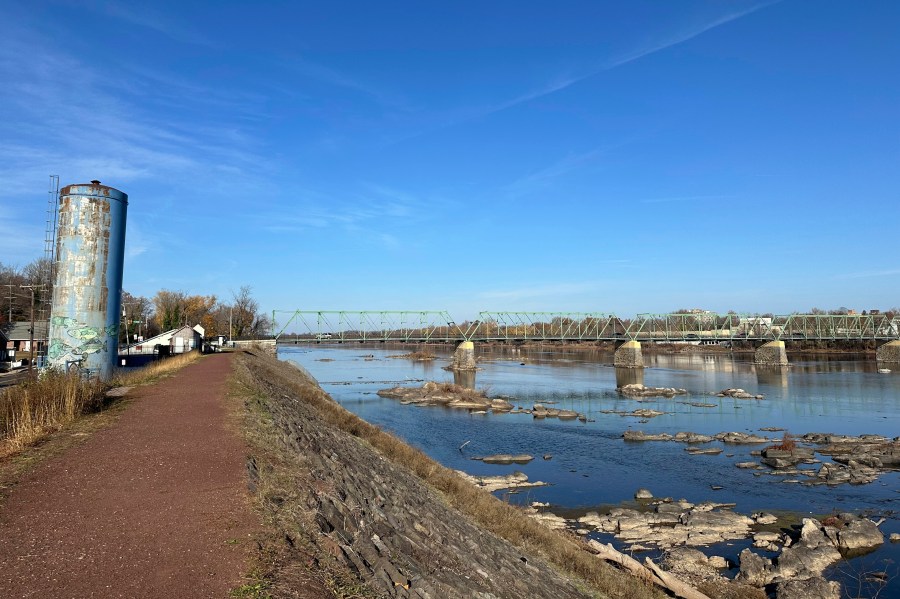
(516, 480)
(506, 458)
(638, 390)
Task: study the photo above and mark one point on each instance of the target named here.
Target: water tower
(87, 292)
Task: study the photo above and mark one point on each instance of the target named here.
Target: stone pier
(771, 354)
(464, 357)
(628, 355)
(889, 352)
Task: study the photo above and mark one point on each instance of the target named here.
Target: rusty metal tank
(87, 292)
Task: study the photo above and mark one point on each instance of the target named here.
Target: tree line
(240, 317)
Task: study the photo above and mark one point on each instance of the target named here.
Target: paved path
(154, 506)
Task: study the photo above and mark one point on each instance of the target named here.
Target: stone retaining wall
(390, 527)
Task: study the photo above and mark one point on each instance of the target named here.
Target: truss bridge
(627, 333)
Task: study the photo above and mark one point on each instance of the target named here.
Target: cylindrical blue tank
(87, 291)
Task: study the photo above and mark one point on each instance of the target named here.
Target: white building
(176, 341)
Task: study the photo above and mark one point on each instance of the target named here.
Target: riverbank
(358, 500)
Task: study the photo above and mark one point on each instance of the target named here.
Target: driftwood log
(649, 572)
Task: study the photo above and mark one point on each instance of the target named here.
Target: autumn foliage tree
(174, 309)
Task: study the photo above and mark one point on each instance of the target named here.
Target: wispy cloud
(372, 206)
(136, 243)
(102, 126)
(144, 15)
(672, 39)
(333, 77)
(544, 176)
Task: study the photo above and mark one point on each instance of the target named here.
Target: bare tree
(245, 316)
(137, 312)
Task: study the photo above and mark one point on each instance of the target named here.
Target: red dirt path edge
(154, 506)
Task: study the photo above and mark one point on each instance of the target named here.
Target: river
(592, 467)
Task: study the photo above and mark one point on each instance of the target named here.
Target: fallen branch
(673, 584)
(649, 572)
(625, 561)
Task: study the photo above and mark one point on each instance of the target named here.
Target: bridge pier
(771, 354)
(464, 357)
(628, 355)
(889, 352)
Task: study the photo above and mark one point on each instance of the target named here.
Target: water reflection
(772, 375)
(629, 376)
(464, 378)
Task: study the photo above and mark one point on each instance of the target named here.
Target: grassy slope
(259, 376)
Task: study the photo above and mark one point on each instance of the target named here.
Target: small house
(186, 339)
(176, 341)
(17, 337)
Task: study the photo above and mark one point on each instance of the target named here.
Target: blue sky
(465, 156)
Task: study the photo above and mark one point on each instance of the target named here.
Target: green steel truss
(438, 326)
(368, 325)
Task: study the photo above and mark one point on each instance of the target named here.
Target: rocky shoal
(856, 460)
(804, 552)
(455, 396)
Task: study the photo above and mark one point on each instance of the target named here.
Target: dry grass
(420, 356)
(34, 409)
(155, 370)
(37, 408)
(565, 551)
(787, 443)
(462, 392)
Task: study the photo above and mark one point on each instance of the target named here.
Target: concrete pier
(464, 357)
(771, 354)
(628, 355)
(889, 352)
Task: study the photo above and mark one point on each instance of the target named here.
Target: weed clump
(44, 405)
(787, 443)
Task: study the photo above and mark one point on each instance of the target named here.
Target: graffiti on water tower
(78, 340)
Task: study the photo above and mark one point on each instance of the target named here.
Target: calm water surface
(592, 466)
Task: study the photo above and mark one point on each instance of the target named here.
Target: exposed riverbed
(591, 466)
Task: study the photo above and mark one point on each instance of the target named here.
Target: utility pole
(10, 286)
(230, 329)
(127, 334)
(31, 330)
